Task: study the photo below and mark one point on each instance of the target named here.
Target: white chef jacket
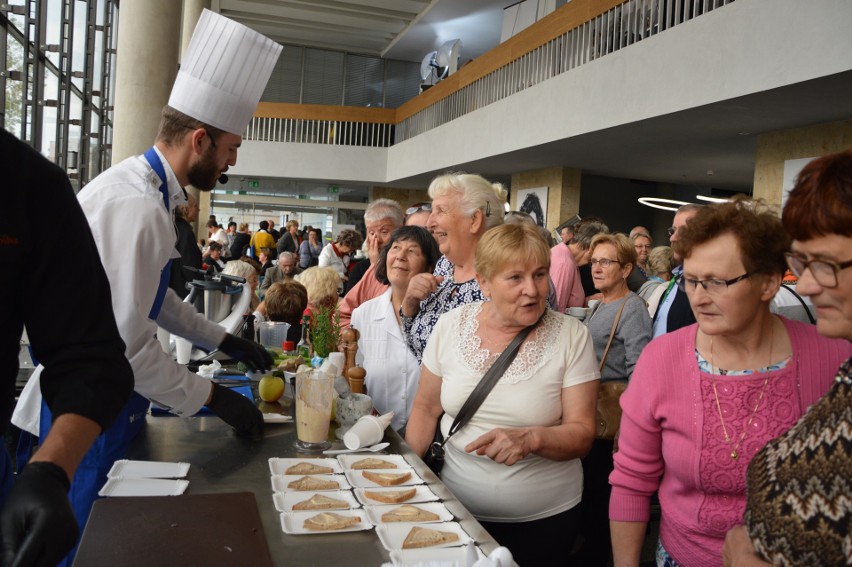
(136, 237)
(392, 370)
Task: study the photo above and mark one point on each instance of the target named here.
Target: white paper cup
(183, 350)
(367, 431)
(338, 359)
(164, 337)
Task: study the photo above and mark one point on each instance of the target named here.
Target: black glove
(249, 352)
(237, 411)
(38, 523)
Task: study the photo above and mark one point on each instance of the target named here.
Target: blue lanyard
(157, 165)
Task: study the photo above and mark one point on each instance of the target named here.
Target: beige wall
(405, 197)
(774, 148)
(563, 191)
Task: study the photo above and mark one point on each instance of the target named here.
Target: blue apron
(112, 444)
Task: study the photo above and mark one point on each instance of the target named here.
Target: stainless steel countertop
(222, 462)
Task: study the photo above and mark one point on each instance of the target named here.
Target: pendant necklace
(735, 450)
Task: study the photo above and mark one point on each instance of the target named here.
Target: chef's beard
(203, 174)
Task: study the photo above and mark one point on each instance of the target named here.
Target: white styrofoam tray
(422, 494)
(357, 479)
(280, 482)
(124, 468)
(348, 460)
(374, 513)
(293, 522)
(278, 465)
(284, 501)
(415, 557)
(392, 536)
(143, 487)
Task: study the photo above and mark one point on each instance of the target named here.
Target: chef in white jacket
(130, 209)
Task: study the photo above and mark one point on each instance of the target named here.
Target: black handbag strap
(488, 381)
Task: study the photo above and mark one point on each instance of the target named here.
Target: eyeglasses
(825, 273)
(604, 262)
(712, 286)
(425, 207)
(671, 230)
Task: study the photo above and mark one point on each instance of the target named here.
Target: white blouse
(392, 370)
(558, 355)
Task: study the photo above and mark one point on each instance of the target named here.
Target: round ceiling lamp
(712, 199)
(660, 203)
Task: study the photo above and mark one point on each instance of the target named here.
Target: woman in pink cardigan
(705, 399)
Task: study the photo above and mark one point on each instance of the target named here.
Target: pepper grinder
(349, 338)
(356, 379)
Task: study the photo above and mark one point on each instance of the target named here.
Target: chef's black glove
(249, 352)
(237, 411)
(38, 524)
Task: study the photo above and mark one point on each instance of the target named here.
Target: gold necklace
(488, 339)
(735, 450)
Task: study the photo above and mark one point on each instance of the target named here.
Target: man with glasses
(418, 214)
(674, 311)
(381, 218)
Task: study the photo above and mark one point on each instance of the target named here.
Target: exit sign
(333, 188)
(253, 183)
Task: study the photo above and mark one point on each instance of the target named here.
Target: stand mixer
(222, 299)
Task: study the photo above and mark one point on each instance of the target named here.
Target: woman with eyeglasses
(799, 509)
(704, 399)
(620, 328)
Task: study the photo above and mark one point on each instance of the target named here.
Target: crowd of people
(710, 374)
(721, 395)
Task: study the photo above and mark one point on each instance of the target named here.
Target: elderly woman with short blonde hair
(515, 465)
(321, 284)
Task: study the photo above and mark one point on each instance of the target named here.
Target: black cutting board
(192, 529)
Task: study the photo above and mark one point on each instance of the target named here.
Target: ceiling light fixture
(660, 203)
(712, 199)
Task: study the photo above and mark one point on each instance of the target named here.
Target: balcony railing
(579, 32)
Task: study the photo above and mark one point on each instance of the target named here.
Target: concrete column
(775, 148)
(146, 65)
(191, 12)
(563, 191)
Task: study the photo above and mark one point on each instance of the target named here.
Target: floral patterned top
(449, 295)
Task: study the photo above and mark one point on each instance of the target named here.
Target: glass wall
(306, 75)
(58, 84)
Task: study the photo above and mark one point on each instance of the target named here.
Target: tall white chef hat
(223, 73)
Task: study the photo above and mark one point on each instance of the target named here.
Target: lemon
(270, 388)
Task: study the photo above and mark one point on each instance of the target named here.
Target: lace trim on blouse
(534, 352)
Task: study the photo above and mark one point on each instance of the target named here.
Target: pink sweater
(671, 429)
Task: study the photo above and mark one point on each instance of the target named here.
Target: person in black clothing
(275, 234)
(87, 379)
(190, 255)
(241, 242)
(265, 258)
(290, 240)
(213, 259)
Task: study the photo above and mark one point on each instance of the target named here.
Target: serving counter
(221, 462)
